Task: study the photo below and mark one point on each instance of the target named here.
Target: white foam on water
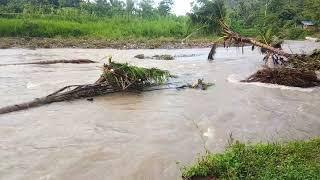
(30, 85)
(233, 78)
(209, 133)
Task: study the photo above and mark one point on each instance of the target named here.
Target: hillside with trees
(118, 19)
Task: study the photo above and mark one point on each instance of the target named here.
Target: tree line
(257, 17)
(101, 8)
(265, 19)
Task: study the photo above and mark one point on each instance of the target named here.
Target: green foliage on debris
(124, 76)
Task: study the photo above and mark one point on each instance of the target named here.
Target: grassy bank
(109, 28)
(295, 160)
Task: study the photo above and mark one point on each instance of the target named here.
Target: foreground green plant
(295, 160)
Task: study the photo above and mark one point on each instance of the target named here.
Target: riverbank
(83, 43)
(295, 160)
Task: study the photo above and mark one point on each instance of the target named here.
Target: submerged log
(76, 61)
(78, 91)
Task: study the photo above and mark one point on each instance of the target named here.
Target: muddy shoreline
(33, 43)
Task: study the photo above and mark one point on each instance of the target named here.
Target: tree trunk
(81, 91)
(235, 37)
(76, 61)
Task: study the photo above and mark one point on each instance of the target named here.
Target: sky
(181, 7)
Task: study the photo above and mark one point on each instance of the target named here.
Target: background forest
(116, 19)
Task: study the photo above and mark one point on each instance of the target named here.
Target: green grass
(114, 28)
(295, 160)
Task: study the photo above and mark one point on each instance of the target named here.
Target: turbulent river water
(142, 136)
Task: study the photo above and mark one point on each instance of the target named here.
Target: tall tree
(3, 2)
(146, 7)
(130, 7)
(209, 13)
(69, 3)
(165, 7)
(312, 10)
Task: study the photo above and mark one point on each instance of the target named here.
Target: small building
(309, 25)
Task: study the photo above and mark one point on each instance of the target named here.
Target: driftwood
(78, 91)
(76, 61)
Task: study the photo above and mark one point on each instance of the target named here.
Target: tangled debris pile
(285, 76)
(298, 71)
(281, 67)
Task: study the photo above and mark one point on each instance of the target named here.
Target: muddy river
(142, 136)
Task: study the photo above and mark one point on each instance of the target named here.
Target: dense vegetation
(295, 160)
(99, 19)
(119, 19)
(262, 18)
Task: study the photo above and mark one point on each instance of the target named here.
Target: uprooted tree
(115, 77)
(298, 70)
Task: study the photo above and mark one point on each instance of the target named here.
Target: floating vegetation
(156, 57)
(123, 76)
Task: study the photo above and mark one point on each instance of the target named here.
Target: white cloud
(181, 7)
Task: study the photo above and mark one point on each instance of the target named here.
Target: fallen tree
(115, 77)
(298, 70)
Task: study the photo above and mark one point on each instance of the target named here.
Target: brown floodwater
(142, 135)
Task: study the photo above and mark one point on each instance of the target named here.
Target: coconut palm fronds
(124, 76)
(231, 37)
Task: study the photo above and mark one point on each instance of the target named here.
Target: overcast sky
(182, 6)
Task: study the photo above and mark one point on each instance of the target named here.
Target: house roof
(307, 23)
